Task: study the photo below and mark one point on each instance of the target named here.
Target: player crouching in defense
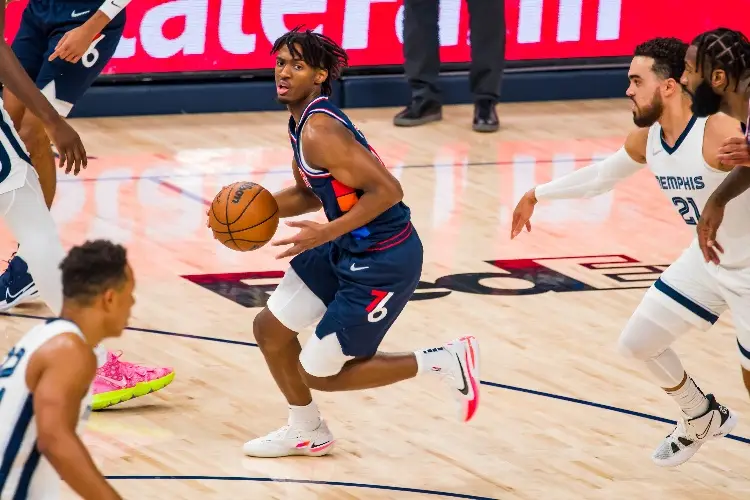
(681, 150)
(352, 276)
(45, 380)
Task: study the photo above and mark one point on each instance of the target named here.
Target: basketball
(244, 216)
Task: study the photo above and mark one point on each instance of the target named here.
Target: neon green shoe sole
(111, 398)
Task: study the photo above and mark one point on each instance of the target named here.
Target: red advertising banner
(164, 36)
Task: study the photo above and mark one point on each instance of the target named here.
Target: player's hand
(522, 214)
(735, 151)
(69, 146)
(710, 220)
(73, 45)
(311, 235)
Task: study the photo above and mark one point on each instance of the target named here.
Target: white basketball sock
(306, 418)
(690, 398)
(432, 360)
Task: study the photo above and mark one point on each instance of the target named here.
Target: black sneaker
(419, 112)
(485, 117)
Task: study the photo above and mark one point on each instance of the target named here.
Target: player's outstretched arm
(58, 376)
(298, 199)
(13, 76)
(585, 182)
(327, 144)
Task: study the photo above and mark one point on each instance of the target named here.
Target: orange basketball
(244, 216)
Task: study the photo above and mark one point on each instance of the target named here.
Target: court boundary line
(533, 392)
(305, 481)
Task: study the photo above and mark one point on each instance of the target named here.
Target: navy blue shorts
(43, 24)
(364, 292)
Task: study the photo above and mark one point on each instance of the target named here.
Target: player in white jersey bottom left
(46, 379)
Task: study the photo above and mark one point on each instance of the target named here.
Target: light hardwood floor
(562, 416)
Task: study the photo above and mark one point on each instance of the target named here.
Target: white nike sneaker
(690, 434)
(463, 374)
(290, 441)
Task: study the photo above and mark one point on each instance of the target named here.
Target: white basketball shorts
(700, 292)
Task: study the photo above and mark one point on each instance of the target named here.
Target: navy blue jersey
(387, 229)
(43, 24)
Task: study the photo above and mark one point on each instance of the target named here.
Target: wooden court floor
(562, 416)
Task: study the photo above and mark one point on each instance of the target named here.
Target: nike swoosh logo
(79, 14)
(465, 390)
(705, 433)
(119, 383)
(316, 445)
(12, 296)
(355, 268)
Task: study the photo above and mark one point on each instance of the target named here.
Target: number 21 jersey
(688, 181)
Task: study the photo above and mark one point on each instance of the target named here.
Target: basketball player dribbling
(63, 46)
(46, 377)
(351, 276)
(719, 81)
(681, 150)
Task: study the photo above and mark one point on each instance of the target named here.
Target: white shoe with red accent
(291, 441)
(463, 374)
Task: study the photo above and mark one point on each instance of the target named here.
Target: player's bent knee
(293, 304)
(322, 358)
(269, 333)
(650, 330)
(744, 353)
(746, 378)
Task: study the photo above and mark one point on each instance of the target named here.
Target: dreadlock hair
(724, 49)
(668, 55)
(90, 269)
(317, 51)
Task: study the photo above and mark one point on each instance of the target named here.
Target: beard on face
(647, 115)
(706, 102)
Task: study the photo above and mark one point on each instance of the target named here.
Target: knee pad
(650, 330)
(294, 304)
(323, 357)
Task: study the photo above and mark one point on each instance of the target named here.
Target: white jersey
(684, 176)
(14, 157)
(24, 473)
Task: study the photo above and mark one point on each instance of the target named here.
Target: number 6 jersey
(688, 181)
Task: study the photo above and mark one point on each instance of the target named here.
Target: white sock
(690, 398)
(432, 360)
(304, 417)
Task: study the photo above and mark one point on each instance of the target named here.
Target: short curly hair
(317, 50)
(668, 55)
(90, 269)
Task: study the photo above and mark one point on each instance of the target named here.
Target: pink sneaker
(117, 381)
